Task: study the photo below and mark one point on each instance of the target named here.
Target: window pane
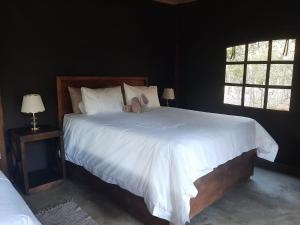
(258, 51)
(233, 95)
(278, 49)
(281, 74)
(254, 97)
(234, 74)
(235, 54)
(256, 74)
(279, 99)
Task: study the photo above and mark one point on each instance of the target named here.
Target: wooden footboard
(210, 187)
(225, 177)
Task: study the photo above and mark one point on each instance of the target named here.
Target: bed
(13, 209)
(166, 165)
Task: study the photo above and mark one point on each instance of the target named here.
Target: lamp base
(34, 122)
(35, 129)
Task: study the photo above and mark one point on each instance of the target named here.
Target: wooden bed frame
(3, 159)
(210, 187)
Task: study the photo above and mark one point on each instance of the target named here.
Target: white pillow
(81, 107)
(102, 100)
(138, 91)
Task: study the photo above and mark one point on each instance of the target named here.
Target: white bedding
(159, 154)
(13, 209)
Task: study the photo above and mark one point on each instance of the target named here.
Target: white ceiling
(175, 2)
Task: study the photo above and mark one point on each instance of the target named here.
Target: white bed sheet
(159, 154)
(13, 209)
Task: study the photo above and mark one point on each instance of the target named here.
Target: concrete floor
(268, 198)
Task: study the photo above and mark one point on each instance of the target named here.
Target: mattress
(13, 209)
(159, 154)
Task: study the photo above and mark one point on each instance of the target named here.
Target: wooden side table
(55, 171)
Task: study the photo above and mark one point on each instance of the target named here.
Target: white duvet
(159, 154)
(13, 209)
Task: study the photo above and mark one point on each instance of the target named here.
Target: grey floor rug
(68, 213)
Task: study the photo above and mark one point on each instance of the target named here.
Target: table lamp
(168, 94)
(33, 103)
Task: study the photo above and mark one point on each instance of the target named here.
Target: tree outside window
(260, 74)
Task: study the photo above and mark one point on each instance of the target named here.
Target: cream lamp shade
(168, 94)
(32, 103)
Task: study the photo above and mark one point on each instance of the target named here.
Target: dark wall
(43, 39)
(205, 34)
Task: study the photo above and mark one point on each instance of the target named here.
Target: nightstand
(42, 179)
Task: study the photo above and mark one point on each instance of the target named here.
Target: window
(260, 74)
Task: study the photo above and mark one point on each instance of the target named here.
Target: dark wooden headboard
(63, 82)
(3, 159)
